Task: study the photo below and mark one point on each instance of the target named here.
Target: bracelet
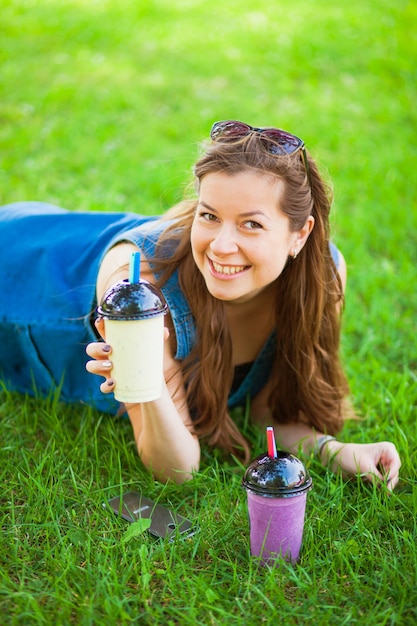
(320, 443)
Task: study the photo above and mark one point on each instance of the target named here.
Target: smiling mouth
(228, 270)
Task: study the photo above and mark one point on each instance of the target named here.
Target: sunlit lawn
(103, 105)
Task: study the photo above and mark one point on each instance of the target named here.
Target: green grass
(102, 106)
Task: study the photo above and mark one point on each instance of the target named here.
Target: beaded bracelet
(320, 443)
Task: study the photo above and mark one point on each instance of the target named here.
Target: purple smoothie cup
(277, 493)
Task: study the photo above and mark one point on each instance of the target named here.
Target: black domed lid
(281, 477)
(131, 301)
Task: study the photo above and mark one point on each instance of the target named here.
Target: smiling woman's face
(240, 238)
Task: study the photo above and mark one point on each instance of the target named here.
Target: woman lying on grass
(255, 291)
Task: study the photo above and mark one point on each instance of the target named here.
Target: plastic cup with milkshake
(133, 311)
(277, 484)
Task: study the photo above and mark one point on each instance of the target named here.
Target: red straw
(272, 446)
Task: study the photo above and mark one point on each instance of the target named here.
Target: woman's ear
(301, 236)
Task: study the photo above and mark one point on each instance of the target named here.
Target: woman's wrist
(320, 443)
(328, 448)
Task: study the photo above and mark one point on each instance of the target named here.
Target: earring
(294, 253)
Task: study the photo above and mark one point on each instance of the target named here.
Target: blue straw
(134, 268)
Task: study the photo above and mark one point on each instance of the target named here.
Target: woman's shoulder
(149, 234)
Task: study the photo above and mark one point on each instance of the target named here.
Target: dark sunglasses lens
(229, 130)
(283, 142)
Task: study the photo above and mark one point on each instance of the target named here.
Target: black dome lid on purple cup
(282, 477)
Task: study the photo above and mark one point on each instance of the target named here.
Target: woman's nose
(224, 242)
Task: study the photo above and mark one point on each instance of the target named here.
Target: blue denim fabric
(49, 259)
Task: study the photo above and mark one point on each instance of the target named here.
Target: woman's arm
(162, 428)
(377, 462)
(374, 462)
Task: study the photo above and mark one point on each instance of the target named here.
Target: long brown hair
(309, 382)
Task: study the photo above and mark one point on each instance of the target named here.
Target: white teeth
(228, 269)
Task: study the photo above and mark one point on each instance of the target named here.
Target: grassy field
(102, 106)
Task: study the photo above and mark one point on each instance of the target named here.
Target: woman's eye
(209, 217)
(253, 225)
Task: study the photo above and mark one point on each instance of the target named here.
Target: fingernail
(106, 364)
(106, 348)
(110, 382)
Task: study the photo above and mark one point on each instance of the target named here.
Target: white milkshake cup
(133, 314)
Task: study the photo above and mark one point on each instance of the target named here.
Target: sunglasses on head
(281, 141)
